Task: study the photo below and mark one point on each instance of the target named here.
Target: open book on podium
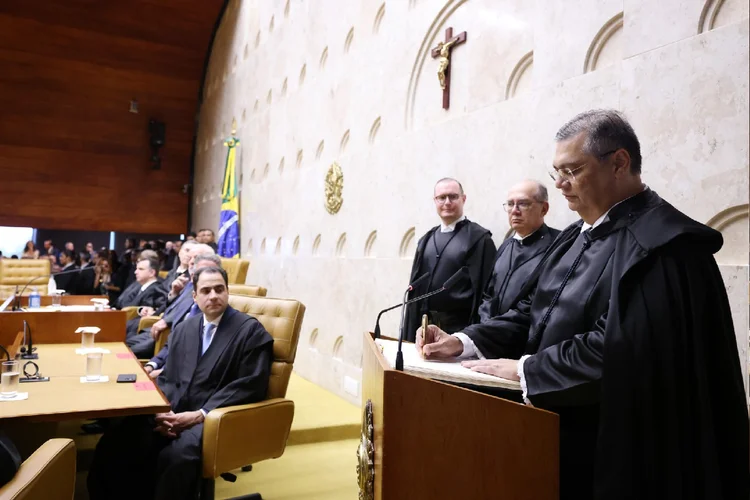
(427, 439)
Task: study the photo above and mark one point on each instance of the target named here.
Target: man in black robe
(455, 244)
(625, 331)
(148, 291)
(518, 256)
(67, 281)
(219, 358)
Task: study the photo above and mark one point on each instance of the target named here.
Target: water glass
(93, 366)
(87, 339)
(57, 299)
(9, 379)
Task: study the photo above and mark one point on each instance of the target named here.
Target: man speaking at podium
(625, 331)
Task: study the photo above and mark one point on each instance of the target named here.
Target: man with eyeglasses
(518, 256)
(442, 251)
(625, 331)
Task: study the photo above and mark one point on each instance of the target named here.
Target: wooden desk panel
(59, 327)
(64, 397)
(67, 300)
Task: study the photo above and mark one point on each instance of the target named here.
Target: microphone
(7, 354)
(411, 287)
(450, 282)
(18, 296)
(27, 351)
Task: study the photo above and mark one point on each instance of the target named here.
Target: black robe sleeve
(251, 383)
(482, 271)
(672, 379)
(503, 336)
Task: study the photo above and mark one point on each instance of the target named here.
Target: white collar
(518, 237)
(585, 226)
(214, 322)
(147, 284)
(450, 227)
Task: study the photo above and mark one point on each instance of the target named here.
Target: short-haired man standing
(518, 256)
(219, 358)
(150, 292)
(456, 243)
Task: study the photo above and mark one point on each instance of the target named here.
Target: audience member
(30, 251)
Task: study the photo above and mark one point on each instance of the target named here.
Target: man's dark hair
(153, 262)
(209, 270)
(451, 179)
(607, 130)
(84, 256)
(192, 233)
(69, 254)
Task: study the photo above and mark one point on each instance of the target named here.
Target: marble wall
(310, 83)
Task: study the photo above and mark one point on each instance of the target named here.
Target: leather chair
(48, 474)
(247, 434)
(236, 269)
(130, 312)
(18, 272)
(247, 290)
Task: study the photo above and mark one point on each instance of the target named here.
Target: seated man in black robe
(518, 256)
(148, 291)
(444, 250)
(219, 358)
(625, 331)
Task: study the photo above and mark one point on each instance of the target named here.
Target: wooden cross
(443, 53)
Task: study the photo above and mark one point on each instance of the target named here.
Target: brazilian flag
(229, 223)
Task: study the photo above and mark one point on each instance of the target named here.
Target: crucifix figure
(443, 54)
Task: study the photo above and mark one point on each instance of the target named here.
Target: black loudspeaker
(157, 137)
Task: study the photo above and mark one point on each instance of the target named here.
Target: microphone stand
(399, 353)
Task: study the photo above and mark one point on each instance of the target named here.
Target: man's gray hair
(188, 244)
(212, 257)
(451, 179)
(607, 130)
(541, 191)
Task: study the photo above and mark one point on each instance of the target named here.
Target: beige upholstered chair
(48, 474)
(246, 434)
(18, 272)
(247, 290)
(236, 269)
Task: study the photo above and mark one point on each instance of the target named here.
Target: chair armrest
(130, 312)
(147, 322)
(246, 434)
(50, 472)
(162, 340)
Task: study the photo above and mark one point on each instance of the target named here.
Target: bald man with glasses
(520, 253)
(456, 243)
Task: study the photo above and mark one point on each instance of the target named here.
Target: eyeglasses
(453, 197)
(568, 175)
(522, 205)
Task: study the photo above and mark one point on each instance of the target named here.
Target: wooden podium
(435, 441)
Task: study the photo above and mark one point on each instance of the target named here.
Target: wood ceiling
(72, 156)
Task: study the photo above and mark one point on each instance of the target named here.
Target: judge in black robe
(67, 278)
(160, 457)
(625, 331)
(519, 254)
(85, 284)
(457, 243)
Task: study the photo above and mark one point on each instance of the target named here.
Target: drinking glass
(57, 299)
(9, 379)
(87, 339)
(93, 366)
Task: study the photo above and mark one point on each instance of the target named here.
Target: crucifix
(443, 54)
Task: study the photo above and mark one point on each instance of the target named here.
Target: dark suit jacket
(85, 284)
(68, 282)
(154, 296)
(234, 370)
(179, 307)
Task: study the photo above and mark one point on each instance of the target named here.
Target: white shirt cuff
(524, 390)
(470, 348)
(204, 413)
(152, 365)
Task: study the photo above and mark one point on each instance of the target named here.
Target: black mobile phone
(126, 378)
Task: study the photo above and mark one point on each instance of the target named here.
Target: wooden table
(66, 300)
(60, 326)
(64, 397)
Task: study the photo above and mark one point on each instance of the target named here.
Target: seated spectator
(148, 291)
(67, 281)
(30, 251)
(220, 358)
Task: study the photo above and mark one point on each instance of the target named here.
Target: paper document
(450, 371)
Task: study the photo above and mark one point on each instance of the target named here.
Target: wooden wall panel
(71, 155)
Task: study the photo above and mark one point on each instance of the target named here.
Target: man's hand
(157, 328)
(503, 368)
(178, 285)
(172, 424)
(148, 368)
(154, 374)
(436, 344)
(146, 311)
